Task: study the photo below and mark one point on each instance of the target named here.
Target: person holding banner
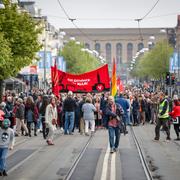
(175, 114)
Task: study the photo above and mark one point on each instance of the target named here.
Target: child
(6, 140)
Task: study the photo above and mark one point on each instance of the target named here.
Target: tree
(5, 59)
(20, 34)
(78, 61)
(155, 63)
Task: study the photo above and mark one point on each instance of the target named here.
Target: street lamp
(72, 38)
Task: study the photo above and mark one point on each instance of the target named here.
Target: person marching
(88, 110)
(175, 114)
(31, 115)
(69, 106)
(51, 120)
(163, 117)
(6, 141)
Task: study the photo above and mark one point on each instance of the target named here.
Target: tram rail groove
(73, 167)
(142, 157)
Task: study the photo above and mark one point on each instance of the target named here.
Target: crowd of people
(88, 112)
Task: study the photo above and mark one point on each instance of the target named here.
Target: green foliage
(6, 61)
(78, 61)
(155, 63)
(20, 33)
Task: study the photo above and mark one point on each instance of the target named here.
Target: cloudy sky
(111, 13)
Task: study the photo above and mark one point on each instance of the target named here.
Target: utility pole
(44, 62)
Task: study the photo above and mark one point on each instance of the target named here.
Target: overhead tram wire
(140, 19)
(72, 21)
(112, 19)
(150, 10)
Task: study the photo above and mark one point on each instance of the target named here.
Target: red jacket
(175, 112)
(2, 115)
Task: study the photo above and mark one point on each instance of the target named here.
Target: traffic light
(173, 78)
(168, 76)
(172, 37)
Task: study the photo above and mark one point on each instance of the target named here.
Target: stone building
(119, 43)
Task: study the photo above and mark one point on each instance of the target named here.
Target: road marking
(105, 165)
(113, 167)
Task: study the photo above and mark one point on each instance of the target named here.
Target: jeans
(128, 118)
(69, 122)
(114, 136)
(3, 154)
(39, 122)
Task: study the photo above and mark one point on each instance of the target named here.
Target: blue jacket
(123, 102)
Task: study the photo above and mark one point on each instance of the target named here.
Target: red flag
(120, 85)
(55, 77)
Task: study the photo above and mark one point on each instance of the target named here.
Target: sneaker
(71, 133)
(86, 134)
(177, 139)
(111, 150)
(156, 139)
(5, 173)
(115, 149)
(168, 138)
(1, 174)
(35, 134)
(49, 142)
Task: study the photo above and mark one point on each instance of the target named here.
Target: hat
(6, 123)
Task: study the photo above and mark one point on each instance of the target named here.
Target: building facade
(119, 43)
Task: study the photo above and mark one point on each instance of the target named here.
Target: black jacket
(69, 104)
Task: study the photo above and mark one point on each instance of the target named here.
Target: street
(32, 159)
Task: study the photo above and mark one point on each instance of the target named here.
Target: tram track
(142, 156)
(76, 161)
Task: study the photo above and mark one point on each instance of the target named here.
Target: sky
(111, 13)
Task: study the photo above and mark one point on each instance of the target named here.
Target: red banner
(93, 81)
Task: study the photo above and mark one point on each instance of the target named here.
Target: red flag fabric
(120, 85)
(55, 79)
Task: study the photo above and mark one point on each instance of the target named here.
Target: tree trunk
(1, 90)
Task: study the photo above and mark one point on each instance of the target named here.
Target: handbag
(176, 120)
(54, 122)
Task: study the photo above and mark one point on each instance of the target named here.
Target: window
(140, 46)
(119, 53)
(97, 47)
(108, 53)
(129, 51)
(87, 46)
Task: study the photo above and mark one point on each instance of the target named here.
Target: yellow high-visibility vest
(166, 114)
